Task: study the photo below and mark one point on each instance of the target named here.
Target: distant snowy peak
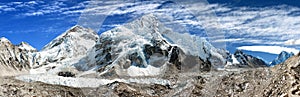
(281, 58)
(26, 46)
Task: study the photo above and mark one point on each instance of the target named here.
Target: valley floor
(10, 87)
(259, 82)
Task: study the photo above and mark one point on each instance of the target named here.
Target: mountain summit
(3, 39)
(73, 37)
(26, 46)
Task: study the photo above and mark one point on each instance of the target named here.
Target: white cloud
(15, 3)
(8, 9)
(34, 14)
(269, 49)
(32, 2)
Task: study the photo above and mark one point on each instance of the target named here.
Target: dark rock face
(175, 58)
(104, 51)
(66, 74)
(136, 60)
(188, 63)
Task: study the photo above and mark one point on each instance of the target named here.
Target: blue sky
(242, 22)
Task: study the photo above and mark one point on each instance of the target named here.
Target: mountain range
(144, 44)
(141, 48)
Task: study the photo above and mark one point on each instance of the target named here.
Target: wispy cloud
(5, 8)
(268, 24)
(273, 25)
(37, 8)
(34, 14)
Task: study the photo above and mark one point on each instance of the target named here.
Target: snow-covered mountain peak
(67, 47)
(146, 27)
(26, 46)
(3, 39)
(147, 22)
(13, 60)
(76, 33)
(145, 47)
(190, 44)
(78, 29)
